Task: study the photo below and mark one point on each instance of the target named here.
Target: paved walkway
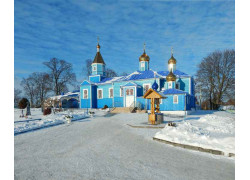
(105, 148)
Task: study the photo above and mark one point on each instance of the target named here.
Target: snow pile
(37, 120)
(213, 131)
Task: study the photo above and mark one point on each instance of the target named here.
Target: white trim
(142, 64)
(95, 76)
(190, 85)
(98, 94)
(143, 85)
(177, 99)
(83, 93)
(170, 83)
(160, 101)
(109, 92)
(121, 92)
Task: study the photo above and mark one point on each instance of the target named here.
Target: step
(120, 110)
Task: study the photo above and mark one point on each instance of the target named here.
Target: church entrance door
(129, 97)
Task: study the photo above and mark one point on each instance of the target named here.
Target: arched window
(175, 99)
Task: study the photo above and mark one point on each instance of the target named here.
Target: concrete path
(105, 148)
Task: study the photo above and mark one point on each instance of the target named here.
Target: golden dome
(171, 77)
(172, 60)
(144, 57)
(98, 46)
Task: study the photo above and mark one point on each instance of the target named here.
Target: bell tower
(97, 66)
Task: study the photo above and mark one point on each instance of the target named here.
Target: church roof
(173, 91)
(98, 58)
(138, 75)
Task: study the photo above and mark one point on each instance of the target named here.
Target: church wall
(168, 105)
(85, 103)
(95, 79)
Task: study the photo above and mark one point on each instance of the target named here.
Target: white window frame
(98, 93)
(177, 99)
(144, 87)
(121, 92)
(83, 94)
(109, 92)
(170, 85)
(143, 64)
(94, 68)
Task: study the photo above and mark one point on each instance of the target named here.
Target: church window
(145, 88)
(127, 92)
(85, 94)
(169, 85)
(111, 93)
(94, 68)
(142, 64)
(121, 92)
(99, 93)
(175, 99)
(131, 92)
(177, 85)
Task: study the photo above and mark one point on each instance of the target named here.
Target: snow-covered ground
(207, 129)
(38, 120)
(104, 147)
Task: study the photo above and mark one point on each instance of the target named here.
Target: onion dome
(172, 60)
(98, 57)
(171, 77)
(144, 56)
(155, 86)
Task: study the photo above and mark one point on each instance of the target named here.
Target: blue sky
(68, 29)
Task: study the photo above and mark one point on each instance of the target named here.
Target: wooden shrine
(155, 117)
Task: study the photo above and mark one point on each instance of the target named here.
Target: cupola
(155, 86)
(144, 60)
(172, 62)
(170, 77)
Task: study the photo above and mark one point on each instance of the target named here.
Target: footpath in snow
(206, 129)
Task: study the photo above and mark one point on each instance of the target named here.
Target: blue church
(127, 91)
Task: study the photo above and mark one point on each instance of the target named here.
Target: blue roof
(141, 75)
(174, 91)
(131, 84)
(176, 72)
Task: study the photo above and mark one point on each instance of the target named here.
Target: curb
(149, 127)
(196, 148)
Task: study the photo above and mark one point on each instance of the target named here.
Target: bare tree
(110, 73)
(216, 77)
(61, 73)
(42, 86)
(17, 96)
(124, 74)
(87, 68)
(29, 87)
